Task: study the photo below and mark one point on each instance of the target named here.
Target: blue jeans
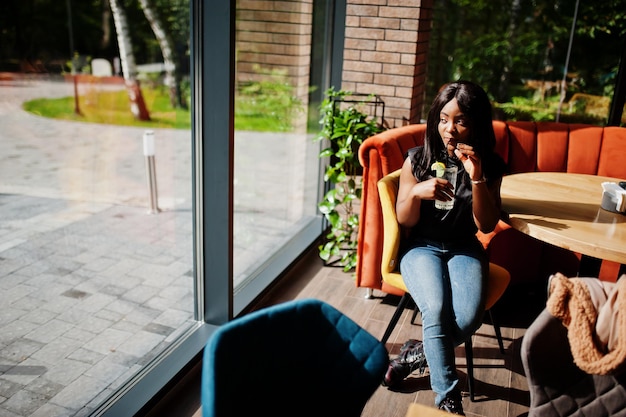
(447, 283)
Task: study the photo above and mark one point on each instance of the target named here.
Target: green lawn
(114, 108)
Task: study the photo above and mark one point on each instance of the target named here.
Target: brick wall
(275, 36)
(385, 50)
(385, 53)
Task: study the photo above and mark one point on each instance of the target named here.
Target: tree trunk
(106, 28)
(505, 77)
(165, 42)
(127, 58)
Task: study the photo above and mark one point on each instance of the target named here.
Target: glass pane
(276, 161)
(558, 61)
(96, 250)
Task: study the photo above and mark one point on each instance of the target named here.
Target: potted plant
(345, 125)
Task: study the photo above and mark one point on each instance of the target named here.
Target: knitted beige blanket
(594, 313)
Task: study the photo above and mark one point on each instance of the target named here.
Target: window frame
(212, 182)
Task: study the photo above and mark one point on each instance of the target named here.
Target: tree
(501, 44)
(505, 78)
(127, 58)
(172, 74)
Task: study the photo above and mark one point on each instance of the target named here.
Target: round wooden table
(564, 210)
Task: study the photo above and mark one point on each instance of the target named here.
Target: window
(106, 297)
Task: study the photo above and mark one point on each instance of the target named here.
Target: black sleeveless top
(449, 226)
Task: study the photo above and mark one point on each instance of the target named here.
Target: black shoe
(411, 358)
(409, 344)
(452, 404)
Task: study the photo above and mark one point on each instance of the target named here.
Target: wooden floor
(501, 388)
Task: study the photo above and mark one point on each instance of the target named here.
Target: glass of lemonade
(450, 174)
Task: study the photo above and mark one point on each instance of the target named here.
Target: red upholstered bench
(525, 146)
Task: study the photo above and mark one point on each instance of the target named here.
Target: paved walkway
(93, 287)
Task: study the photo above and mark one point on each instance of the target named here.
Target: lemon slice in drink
(439, 167)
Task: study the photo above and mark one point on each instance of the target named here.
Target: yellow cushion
(388, 193)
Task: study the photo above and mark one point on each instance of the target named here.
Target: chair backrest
(388, 194)
(302, 357)
(557, 386)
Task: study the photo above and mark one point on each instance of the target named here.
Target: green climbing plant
(345, 125)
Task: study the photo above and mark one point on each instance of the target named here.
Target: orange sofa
(525, 147)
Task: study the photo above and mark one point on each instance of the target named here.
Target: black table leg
(589, 266)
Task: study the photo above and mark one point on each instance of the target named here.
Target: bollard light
(148, 143)
(148, 151)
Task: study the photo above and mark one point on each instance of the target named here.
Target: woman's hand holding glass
(434, 189)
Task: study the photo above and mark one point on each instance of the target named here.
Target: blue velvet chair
(299, 358)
